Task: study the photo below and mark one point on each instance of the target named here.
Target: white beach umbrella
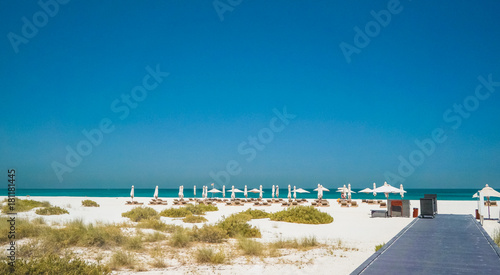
(156, 193)
(386, 189)
(181, 194)
(194, 191)
(349, 191)
(401, 191)
(366, 190)
(289, 192)
(245, 192)
(272, 190)
(132, 193)
(294, 192)
(300, 190)
(223, 191)
(232, 193)
(255, 190)
(214, 190)
(374, 187)
(260, 192)
(277, 191)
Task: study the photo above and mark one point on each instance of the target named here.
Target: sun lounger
(265, 203)
(285, 203)
(383, 205)
(494, 203)
(354, 204)
(314, 203)
(295, 203)
(364, 200)
(257, 203)
(344, 204)
(325, 203)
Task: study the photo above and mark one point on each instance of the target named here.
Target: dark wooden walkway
(447, 244)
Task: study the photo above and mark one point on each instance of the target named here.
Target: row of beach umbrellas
(346, 191)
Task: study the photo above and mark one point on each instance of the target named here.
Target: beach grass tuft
(23, 205)
(189, 209)
(237, 225)
(302, 214)
(208, 255)
(134, 243)
(209, 234)
(141, 213)
(250, 247)
(302, 244)
(90, 203)
(496, 236)
(180, 238)
(53, 264)
(51, 210)
(256, 213)
(378, 247)
(194, 219)
(121, 259)
(24, 228)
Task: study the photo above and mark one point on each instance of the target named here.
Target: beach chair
(354, 204)
(344, 204)
(284, 203)
(325, 203)
(314, 203)
(295, 203)
(494, 203)
(257, 203)
(364, 200)
(383, 204)
(265, 203)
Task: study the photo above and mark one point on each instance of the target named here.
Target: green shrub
(209, 234)
(134, 243)
(53, 264)
(51, 210)
(141, 213)
(194, 219)
(256, 214)
(76, 233)
(250, 247)
(236, 225)
(187, 210)
(180, 238)
(23, 205)
(154, 237)
(89, 203)
(302, 214)
(155, 224)
(208, 255)
(24, 228)
(378, 247)
(121, 259)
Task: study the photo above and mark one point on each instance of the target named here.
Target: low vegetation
(21, 205)
(237, 225)
(181, 238)
(378, 247)
(496, 236)
(256, 214)
(51, 210)
(302, 244)
(302, 214)
(53, 264)
(141, 213)
(209, 234)
(121, 259)
(89, 203)
(250, 247)
(24, 228)
(190, 209)
(208, 255)
(194, 219)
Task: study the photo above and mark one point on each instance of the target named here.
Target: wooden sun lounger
(285, 203)
(354, 204)
(314, 203)
(344, 204)
(383, 205)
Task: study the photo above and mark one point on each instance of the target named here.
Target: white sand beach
(357, 232)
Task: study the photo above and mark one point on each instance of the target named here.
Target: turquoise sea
(412, 194)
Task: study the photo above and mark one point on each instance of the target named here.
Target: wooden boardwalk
(447, 244)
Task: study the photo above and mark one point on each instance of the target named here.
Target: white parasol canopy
(272, 190)
(181, 191)
(223, 191)
(387, 189)
(132, 193)
(260, 192)
(374, 187)
(277, 191)
(156, 193)
(300, 190)
(295, 192)
(289, 192)
(366, 190)
(194, 191)
(401, 190)
(214, 190)
(255, 190)
(245, 192)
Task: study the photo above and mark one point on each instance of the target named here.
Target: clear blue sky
(353, 120)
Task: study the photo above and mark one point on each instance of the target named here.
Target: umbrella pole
(489, 208)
